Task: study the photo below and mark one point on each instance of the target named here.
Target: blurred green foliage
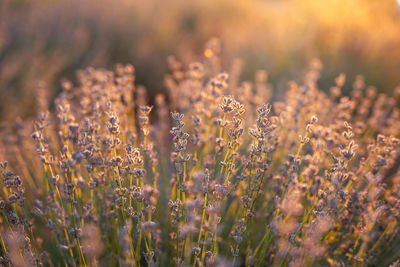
(48, 40)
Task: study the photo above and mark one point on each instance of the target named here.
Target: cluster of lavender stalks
(221, 178)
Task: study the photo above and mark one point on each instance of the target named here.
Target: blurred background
(44, 41)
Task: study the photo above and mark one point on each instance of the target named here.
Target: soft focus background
(44, 41)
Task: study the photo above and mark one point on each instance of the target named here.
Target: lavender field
(231, 142)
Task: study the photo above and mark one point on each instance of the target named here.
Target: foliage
(215, 176)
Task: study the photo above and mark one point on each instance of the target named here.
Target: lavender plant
(216, 176)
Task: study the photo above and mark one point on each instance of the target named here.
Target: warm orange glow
(208, 53)
(352, 36)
